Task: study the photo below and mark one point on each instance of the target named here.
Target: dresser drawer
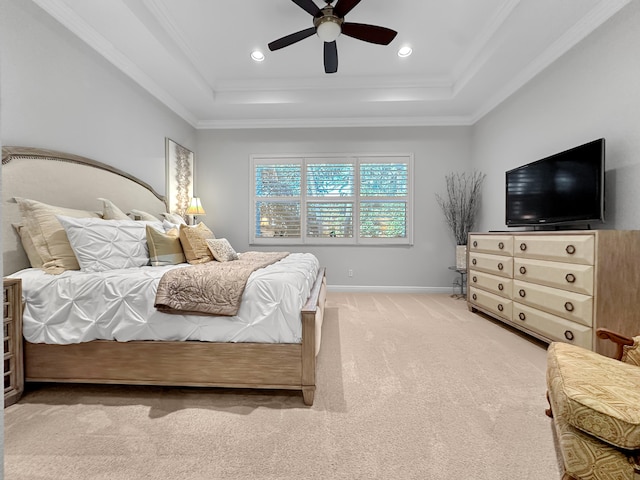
(496, 264)
(562, 248)
(567, 276)
(492, 283)
(488, 301)
(498, 244)
(569, 305)
(551, 326)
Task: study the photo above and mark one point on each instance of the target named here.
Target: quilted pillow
(164, 248)
(111, 212)
(221, 249)
(48, 235)
(194, 243)
(102, 245)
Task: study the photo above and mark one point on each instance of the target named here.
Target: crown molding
(596, 17)
(425, 121)
(74, 23)
(475, 58)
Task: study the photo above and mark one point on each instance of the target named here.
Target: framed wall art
(180, 173)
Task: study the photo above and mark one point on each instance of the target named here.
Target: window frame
(356, 160)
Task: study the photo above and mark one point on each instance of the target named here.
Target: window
(338, 199)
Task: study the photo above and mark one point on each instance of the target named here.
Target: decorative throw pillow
(194, 243)
(174, 218)
(27, 243)
(144, 216)
(164, 248)
(102, 245)
(111, 212)
(48, 236)
(221, 249)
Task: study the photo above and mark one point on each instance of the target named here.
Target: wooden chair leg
(549, 413)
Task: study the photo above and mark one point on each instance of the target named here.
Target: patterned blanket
(212, 288)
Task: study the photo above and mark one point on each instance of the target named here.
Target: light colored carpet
(409, 387)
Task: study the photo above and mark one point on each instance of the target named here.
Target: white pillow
(101, 245)
(174, 218)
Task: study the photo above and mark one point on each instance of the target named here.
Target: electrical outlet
(350, 272)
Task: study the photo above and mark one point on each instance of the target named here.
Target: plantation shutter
(337, 199)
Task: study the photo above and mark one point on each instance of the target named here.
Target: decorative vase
(461, 257)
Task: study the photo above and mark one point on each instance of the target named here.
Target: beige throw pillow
(144, 216)
(222, 250)
(27, 243)
(111, 212)
(194, 243)
(164, 248)
(48, 235)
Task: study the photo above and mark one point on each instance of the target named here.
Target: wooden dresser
(558, 286)
(12, 322)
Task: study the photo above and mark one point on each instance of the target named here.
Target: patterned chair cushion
(631, 353)
(596, 394)
(588, 458)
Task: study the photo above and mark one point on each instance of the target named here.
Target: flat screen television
(564, 189)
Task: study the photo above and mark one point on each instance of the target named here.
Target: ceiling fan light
(328, 29)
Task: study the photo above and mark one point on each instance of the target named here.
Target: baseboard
(388, 289)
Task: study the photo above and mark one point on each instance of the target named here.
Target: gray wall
(58, 93)
(223, 184)
(591, 92)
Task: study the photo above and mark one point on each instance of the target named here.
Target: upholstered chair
(595, 404)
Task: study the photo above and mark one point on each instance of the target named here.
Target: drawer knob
(500, 267)
(523, 270)
(501, 246)
(522, 316)
(570, 277)
(570, 249)
(522, 293)
(568, 307)
(523, 246)
(475, 243)
(500, 307)
(475, 279)
(474, 261)
(568, 334)
(500, 287)
(474, 296)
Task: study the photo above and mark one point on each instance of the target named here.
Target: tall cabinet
(558, 286)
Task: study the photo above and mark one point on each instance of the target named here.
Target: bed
(255, 360)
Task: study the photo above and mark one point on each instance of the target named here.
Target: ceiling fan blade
(309, 6)
(344, 6)
(330, 57)
(369, 33)
(290, 39)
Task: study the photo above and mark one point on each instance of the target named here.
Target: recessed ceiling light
(405, 52)
(257, 55)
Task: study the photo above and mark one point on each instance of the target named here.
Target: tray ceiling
(194, 56)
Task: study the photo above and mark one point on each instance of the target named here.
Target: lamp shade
(195, 207)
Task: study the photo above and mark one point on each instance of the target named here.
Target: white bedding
(76, 307)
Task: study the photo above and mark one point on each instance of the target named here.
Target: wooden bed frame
(75, 182)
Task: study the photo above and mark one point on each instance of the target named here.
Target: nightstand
(12, 337)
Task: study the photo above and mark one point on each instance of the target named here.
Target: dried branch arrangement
(461, 203)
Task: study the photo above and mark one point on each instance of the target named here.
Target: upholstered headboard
(63, 180)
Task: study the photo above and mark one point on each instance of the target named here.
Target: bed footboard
(199, 364)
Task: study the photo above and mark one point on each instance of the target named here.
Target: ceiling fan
(328, 23)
